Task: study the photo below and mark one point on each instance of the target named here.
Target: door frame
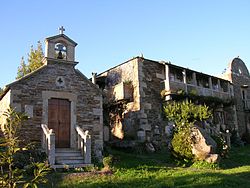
(46, 95)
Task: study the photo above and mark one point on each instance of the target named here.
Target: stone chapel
(63, 106)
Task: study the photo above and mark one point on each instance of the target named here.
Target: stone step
(57, 166)
(69, 161)
(69, 157)
(66, 150)
(65, 154)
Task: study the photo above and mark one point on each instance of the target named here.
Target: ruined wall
(88, 104)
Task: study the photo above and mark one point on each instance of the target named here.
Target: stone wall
(238, 74)
(88, 105)
(151, 75)
(123, 125)
(126, 72)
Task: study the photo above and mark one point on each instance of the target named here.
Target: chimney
(94, 77)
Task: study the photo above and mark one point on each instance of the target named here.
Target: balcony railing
(198, 90)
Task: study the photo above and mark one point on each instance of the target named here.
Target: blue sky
(202, 35)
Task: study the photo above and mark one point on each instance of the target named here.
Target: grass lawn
(158, 170)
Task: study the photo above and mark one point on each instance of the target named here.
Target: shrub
(11, 176)
(108, 161)
(24, 158)
(186, 113)
(181, 145)
(222, 148)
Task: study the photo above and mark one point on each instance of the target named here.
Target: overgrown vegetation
(184, 114)
(11, 174)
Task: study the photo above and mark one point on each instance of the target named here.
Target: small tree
(34, 61)
(10, 175)
(184, 114)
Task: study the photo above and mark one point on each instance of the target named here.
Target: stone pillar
(210, 83)
(87, 150)
(235, 118)
(185, 78)
(219, 87)
(51, 148)
(194, 79)
(167, 84)
(228, 87)
(231, 90)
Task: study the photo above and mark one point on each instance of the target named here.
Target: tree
(35, 57)
(34, 61)
(22, 69)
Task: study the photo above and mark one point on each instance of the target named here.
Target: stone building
(238, 74)
(136, 89)
(61, 99)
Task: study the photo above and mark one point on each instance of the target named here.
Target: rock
(203, 146)
(212, 158)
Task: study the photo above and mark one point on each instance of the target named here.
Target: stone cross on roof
(61, 29)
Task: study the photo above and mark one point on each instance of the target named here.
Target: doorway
(59, 120)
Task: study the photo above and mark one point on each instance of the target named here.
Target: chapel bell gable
(60, 47)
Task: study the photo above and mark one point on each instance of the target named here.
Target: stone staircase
(69, 158)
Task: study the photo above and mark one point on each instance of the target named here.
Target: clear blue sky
(202, 35)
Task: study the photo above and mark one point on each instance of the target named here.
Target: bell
(60, 55)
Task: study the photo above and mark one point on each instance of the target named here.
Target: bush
(181, 145)
(23, 158)
(11, 175)
(108, 161)
(222, 148)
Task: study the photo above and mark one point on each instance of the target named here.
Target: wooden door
(59, 121)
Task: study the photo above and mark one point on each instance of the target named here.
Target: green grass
(158, 171)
